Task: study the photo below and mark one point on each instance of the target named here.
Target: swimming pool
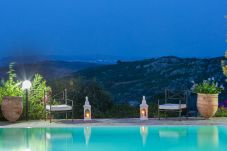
(135, 138)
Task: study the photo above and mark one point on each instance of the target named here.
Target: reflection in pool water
(193, 138)
(22, 139)
(208, 137)
(87, 134)
(173, 132)
(144, 133)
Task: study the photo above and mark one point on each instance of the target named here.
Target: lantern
(144, 110)
(87, 110)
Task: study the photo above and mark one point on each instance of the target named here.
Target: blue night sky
(145, 28)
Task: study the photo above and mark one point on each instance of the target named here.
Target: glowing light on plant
(26, 85)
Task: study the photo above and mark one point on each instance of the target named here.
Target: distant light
(26, 85)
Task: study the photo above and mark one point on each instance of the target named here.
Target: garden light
(26, 85)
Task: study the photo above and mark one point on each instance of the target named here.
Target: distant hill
(98, 59)
(128, 81)
(49, 69)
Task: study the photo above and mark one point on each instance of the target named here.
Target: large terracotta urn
(207, 104)
(12, 108)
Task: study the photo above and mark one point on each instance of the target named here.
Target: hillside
(49, 69)
(128, 81)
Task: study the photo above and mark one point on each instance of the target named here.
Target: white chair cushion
(62, 107)
(172, 106)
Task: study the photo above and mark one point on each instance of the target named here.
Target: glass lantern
(144, 109)
(87, 110)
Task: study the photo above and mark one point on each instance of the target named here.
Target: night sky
(145, 28)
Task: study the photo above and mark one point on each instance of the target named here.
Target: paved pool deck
(112, 122)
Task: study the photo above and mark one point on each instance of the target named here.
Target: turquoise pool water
(143, 138)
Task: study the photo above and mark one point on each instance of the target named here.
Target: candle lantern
(87, 110)
(144, 110)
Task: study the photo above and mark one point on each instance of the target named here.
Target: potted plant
(11, 97)
(207, 98)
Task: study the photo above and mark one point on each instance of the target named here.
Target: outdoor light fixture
(144, 109)
(26, 85)
(87, 110)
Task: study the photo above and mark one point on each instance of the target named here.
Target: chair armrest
(56, 101)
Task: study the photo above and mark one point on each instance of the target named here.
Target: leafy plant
(11, 87)
(209, 86)
(36, 106)
(222, 112)
(224, 65)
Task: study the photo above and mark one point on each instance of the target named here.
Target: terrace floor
(113, 122)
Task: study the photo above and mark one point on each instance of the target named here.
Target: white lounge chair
(65, 105)
(175, 101)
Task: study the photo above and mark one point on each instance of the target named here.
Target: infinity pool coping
(112, 122)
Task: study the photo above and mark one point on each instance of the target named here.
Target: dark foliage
(128, 81)
(78, 89)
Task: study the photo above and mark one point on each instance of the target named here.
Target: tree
(224, 65)
(78, 89)
(36, 95)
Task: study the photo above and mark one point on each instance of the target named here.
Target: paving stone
(113, 122)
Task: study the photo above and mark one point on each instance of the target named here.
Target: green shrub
(78, 89)
(222, 112)
(122, 111)
(11, 87)
(209, 86)
(36, 95)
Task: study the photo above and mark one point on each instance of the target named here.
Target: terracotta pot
(12, 108)
(207, 104)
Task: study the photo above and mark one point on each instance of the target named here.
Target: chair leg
(180, 115)
(158, 114)
(187, 114)
(72, 115)
(50, 117)
(45, 116)
(66, 115)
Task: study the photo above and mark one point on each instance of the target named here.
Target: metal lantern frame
(87, 110)
(144, 109)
